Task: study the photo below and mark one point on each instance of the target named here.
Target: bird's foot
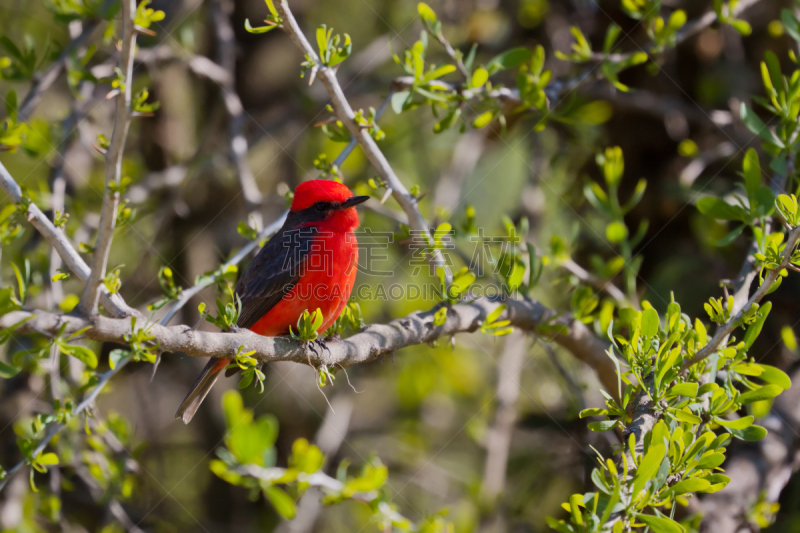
(322, 342)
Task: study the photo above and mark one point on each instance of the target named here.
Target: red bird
(310, 263)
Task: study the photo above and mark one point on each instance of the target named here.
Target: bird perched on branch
(309, 264)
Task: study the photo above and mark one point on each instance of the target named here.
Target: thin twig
(113, 302)
(45, 80)
(346, 114)
(595, 281)
(498, 438)
(219, 11)
(116, 148)
(726, 329)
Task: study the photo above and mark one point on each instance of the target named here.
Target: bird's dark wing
(273, 272)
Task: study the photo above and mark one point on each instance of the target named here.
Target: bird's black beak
(354, 201)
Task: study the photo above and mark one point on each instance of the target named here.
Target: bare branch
(56, 237)
(741, 285)
(346, 114)
(455, 56)
(598, 283)
(370, 344)
(219, 11)
(201, 66)
(498, 438)
(727, 328)
(108, 215)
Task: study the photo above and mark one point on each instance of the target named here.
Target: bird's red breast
(326, 284)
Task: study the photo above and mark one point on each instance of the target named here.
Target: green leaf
(747, 369)
(592, 412)
(741, 26)
(791, 24)
(7, 371)
(752, 172)
(616, 232)
(686, 416)
(115, 356)
(762, 393)
(322, 39)
(775, 376)
(648, 467)
(282, 502)
(689, 485)
(757, 126)
(604, 425)
(47, 459)
(426, 13)
(660, 524)
(650, 322)
(444, 70)
(447, 121)
(248, 441)
(731, 236)
(509, 59)
(740, 423)
(755, 328)
(751, 434)
(711, 461)
(398, 101)
(482, 120)
(684, 389)
(497, 313)
(765, 199)
(235, 413)
(479, 78)
(81, 353)
(719, 209)
(260, 29)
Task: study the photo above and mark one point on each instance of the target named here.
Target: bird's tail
(200, 389)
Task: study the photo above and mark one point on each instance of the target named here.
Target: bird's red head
(326, 203)
(309, 193)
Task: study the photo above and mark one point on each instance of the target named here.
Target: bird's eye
(321, 206)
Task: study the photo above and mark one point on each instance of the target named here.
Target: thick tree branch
(346, 114)
(116, 148)
(370, 344)
(58, 239)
